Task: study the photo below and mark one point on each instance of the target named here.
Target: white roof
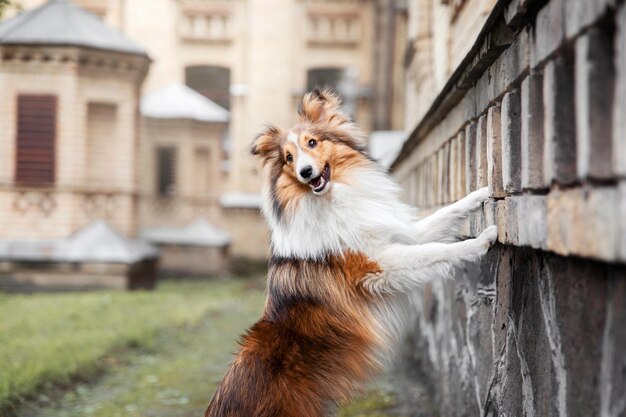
(241, 200)
(385, 145)
(59, 22)
(96, 242)
(178, 101)
(99, 242)
(198, 233)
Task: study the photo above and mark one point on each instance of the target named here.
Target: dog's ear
(319, 105)
(267, 143)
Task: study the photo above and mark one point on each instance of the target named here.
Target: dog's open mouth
(318, 184)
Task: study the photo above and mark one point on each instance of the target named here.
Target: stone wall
(537, 112)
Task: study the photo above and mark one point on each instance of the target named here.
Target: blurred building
(256, 58)
(69, 123)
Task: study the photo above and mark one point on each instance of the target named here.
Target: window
(212, 82)
(343, 81)
(166, 171)
(101, 140)
(36, 137)
(202, 172)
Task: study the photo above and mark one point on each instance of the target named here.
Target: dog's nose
(306, 171)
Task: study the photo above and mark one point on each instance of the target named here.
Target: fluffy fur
(345, 251)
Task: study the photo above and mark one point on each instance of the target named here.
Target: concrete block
(549, 31)
(511, 143)
(580, 14)
(494, 152)
(481, 153)
(532, 137)
(594, 92)
(471, 172)
(461, 166)
(559, 163)
(619, 121)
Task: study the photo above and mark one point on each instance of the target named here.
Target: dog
(345, 252)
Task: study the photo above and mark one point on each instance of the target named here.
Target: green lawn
(144, 354)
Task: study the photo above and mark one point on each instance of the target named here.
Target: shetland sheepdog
(344, 251)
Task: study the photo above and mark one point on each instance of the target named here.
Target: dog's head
(315, 153)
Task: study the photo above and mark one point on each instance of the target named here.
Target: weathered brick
(613, 377)
(531, 221)
(491, 213)
(559, 122)
(501, 220)
(481, 152)
(510, 66)
(580, 14)
(619, 122)
(471, 172)
(445, 174)
(622, 221)
(594, 93)
(577, 298)
(452, 167)
(494, 152)
(532, 332)
(549, 31)
(599, 237)
(532, 138)
(511, 143)
(461, 166)
(564, 209)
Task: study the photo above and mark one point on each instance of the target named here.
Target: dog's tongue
(315, 182)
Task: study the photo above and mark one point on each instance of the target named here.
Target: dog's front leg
(445, 224)
(407, 267)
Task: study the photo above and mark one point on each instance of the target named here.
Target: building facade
(256, 58)
(69, 124)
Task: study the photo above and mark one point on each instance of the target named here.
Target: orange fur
(313, 346)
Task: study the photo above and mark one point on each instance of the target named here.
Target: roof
(60, 22)
(241, 200)
(385, 145)
(198, 233)
(178, 101)
(96, 242)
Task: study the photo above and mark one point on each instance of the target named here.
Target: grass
(53, 338)
(181, 338)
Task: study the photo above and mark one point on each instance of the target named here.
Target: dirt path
(177, 377)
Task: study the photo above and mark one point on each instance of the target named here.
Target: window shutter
(36, 139)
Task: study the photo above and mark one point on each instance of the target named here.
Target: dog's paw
(475, 199)
(488, 237)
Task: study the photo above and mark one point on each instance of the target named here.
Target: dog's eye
(289, 158)
(312, 143)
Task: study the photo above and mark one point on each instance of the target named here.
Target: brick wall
(536, 112)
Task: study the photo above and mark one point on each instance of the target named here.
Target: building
(526, 97)
(69, 123)
(256, 58)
